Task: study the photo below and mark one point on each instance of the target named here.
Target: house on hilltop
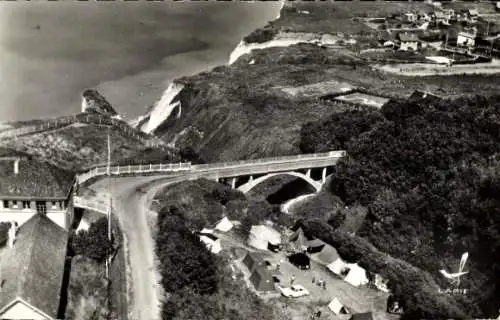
(32, 271)
(28, 187)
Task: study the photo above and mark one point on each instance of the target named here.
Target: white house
(33, 270)
(408, 42)
(467, 38)
(29, 186)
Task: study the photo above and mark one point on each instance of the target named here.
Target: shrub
(93, 243)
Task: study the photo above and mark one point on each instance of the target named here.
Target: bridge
(242, 175)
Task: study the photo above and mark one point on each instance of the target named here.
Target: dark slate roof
(35, 180)
(408, 37)
(33, 268)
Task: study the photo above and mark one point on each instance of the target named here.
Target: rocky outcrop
(94, 102)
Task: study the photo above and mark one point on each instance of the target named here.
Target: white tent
(224, 225)
(356, 275)
(337, 307)
(212, 243)
(261, 236)
(337, 266)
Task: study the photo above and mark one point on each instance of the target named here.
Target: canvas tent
(315, 246)
(224, 225)
(337, 307)
(211, 242)
(299, 240)
(254, 260)
(262, 237)
(338, 266)
(262, 280)
(300, 260)
(356, 275)
(328, 254)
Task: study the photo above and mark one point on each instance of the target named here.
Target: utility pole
(108, 172)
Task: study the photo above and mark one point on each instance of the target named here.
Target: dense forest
(427, 172)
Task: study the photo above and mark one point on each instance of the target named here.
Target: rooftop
(34, 180)
(408, 37)
(33, 268)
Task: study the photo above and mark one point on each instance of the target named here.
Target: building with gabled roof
(408, 41)
(32, 271)
(30, 186)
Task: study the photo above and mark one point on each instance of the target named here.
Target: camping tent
(337, 266)
(298, 239)
(254, 260)
(262, 280)
(300, 260)
(337, 307)
(362, 316)
(211, 242)
(315, 246)
(328, 254)
(356, 275)
(224, 225)
(262, 236)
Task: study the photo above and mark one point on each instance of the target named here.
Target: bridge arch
(252, 183)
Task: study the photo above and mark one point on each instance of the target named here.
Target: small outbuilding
(408, 42)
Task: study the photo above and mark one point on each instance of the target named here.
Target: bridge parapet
(270, 160)
(134, 169)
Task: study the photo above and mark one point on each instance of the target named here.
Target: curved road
(132, 197)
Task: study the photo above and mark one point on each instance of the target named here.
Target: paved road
(131, 199)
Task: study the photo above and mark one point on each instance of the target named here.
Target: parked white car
(294, 291)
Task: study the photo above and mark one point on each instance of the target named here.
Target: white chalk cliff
(283, 39)
(163, 108)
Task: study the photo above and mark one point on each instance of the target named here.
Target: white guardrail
(133, 169)
(187, 166)
(80, 202)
